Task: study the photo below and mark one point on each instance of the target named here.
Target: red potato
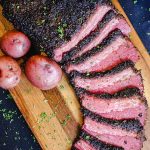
(10, 72)
(43, 72)
(15, 44)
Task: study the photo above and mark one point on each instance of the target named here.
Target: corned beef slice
(88, 141)
(101, 125)
(121, 77)
(125, 133)
(82, 145)
(127, 142)
(88, 27)
(112, 51)
(110, 22)
(117, 108)
(116, 23)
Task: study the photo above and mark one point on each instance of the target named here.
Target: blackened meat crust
(126, 93)
(94, 142)
(49, 23)
(132, 125)
(107, 41)
(123, 93)
(108, 16)
(119, 68)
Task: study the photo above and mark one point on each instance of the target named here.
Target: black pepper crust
(107, 41)
(119, 68)
(132, 125)
(123, 93)
(49, 23)
(97, 144)
(108, 16)
(126, 93)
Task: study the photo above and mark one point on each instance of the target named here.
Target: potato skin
(43, 72)
(10, 72)
(15, 44)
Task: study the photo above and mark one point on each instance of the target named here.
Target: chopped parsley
(9, 96)
(8, 114)
(46, 118)
(65, 121)
(69, 142)
(135, 1)
(61, 30)
(61, 87)
(87, 137)
(87, 74)
(43, 116)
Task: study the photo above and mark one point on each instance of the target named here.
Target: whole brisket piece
(90, 40)
(117, 108)
(110, 22)
(121, 77)
(88, 142)
(123, 133)
(113, 50)
(51, 25)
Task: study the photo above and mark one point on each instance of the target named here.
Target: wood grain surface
(54, 116)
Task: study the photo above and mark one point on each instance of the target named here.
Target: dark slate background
(14, 132)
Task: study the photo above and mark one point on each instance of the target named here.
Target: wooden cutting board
(54, 115)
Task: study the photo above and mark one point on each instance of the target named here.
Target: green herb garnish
(61, 30)
(64, 122)
(87, 137)
(135, 1)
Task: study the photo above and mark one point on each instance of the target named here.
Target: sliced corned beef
(110, 22)
(117, 108)
(89, 26)
(125, 133)
(82, 145)
(89, 142)
(112, 51)
(116, 23)
(129, 113)
(121, 77)
(126, 142)
(101, 125)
